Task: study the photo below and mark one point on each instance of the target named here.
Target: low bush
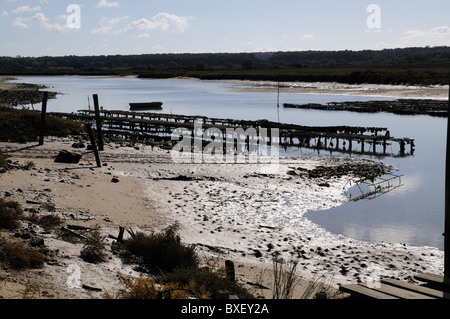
(20, 257)
(3, 158)
(149, 288)
(10, 215)
(23, 126)
(162, 251)
(214, 280)
(48, 222)
(94, 249)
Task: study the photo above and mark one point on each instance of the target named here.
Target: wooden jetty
(432, 287)
(430, 107)
(344, 139)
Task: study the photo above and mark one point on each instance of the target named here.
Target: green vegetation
(340, 74)
(428, 65)
(24, 126)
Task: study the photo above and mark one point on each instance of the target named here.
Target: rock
(37, 242)
(68, 157)
(78, 145)
(114, 180)
(257, 253)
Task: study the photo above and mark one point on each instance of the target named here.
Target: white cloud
(18, 23)
(106, 4)
(43, 22)
(142, 36)
(26, 9)
(5, 13)
(107, 25)
(102, 30)
(308, 36)
(438, 32)
(162, 21)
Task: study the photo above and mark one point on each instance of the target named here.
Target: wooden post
(98, 123)
(43, 115)
(94, 146)
(120, 237)
(447, 200)
(230, 272)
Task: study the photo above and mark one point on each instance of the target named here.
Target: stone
(78, 145)
(37, 242)
(68, 157)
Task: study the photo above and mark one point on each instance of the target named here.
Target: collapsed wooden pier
(438, 108)
(159, 127)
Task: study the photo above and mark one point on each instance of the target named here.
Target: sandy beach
(238, 212)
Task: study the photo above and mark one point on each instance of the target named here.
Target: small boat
(146, 106)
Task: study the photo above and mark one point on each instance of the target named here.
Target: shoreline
(226, 213)
(333, 88)
(439, 92)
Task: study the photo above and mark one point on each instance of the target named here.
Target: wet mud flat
(401, 106)
(19, 94)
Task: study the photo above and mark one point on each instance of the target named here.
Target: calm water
(412, 214)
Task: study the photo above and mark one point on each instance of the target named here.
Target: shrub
(24, 126)
(162, 251)
(3, 159)
(49, 222)
(10, 214)
(20, 257)
(213, 280)
(94, 249)
(149, 288)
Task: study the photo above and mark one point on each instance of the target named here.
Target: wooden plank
(399, 292)
(415, 288)
(434, 281)
(361, 292)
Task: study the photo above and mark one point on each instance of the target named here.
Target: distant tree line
(425, 65)
(224, 60)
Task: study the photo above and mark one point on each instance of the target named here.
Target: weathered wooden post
(447, 200)
(230, 271)
(98, 123)
(43, 115)
(94, 146)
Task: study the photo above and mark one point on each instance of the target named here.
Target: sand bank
(333, 88)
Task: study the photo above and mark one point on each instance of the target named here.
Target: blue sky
(104, 27)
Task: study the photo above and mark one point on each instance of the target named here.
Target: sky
(110, 27)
